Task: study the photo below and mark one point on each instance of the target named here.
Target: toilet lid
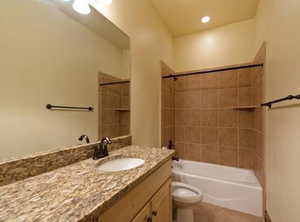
(186, 193)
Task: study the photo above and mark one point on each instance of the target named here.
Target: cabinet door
(144, 215)
(162, 204)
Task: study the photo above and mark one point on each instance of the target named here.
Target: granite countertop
(76, 192)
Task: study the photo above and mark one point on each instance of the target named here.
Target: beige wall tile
(228, 79)
(179, 147)
(258, 119)
(179, 98)
(259, 170)
(192, 82)
(179, 84)
(208, 118)
(259, 147)
(192, 134)
(209, 135)
(193, 151)
(247, 139)
(209, 81)
(227, 97)
(210, 154)
(192, 99)
(245, 77)
(227, 118)
(246, 159)
(168, 99)
(245, 97)
(209, 98)
(169, 118)
(228, 156)
(125, 102)
(192, 117)
(180, 117)
(227, 136)
(179, 134)
(246, 120)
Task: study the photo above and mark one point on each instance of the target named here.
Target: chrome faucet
(82, 137)
(101, 150)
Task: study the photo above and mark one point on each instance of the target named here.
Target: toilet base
(185, 214)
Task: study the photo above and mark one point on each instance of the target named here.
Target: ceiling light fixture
(82, 7)
(205, 19)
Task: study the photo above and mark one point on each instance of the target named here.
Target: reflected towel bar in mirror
(51, 107)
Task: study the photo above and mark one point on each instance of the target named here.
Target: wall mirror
(51, 54)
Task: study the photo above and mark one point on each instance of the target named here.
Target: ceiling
(184, 16)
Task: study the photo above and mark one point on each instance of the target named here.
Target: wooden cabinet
(159, 208)
(161, 204)
(144, 215)
(150, 201)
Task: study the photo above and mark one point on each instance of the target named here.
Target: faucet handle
(106, 140)
(82, 137)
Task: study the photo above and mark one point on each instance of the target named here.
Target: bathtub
(228, 187)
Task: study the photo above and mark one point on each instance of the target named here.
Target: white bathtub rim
(257, 183)
(178, 172)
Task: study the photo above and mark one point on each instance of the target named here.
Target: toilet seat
(185, 193)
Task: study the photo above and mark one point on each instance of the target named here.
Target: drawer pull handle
(154, 213)
(149, 219)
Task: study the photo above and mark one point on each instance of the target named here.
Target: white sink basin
(121, 164)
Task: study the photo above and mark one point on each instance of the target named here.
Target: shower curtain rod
(114, 83)
(212, 71)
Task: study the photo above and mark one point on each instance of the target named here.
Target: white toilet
(184, 198)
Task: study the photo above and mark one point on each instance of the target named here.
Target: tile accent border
(20, 169)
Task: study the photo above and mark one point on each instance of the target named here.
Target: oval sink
(121, 164)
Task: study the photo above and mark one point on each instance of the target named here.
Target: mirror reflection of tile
(114, 107)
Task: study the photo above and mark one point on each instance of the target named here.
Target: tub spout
(175, 158)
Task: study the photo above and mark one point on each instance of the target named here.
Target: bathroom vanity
(83, 192)
(149, 201)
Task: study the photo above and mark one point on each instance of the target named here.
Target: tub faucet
(171, 145)
(101, 150)
(175, 158)
(82, 137)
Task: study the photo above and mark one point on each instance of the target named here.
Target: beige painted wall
(226, 45)
(150, 42)
(46, 57)
(278, 24)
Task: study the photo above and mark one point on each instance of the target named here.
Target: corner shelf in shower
(245, 108)
(122, 109)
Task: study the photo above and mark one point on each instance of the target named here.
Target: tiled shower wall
(167, 107)
(114, 108)
(207, 125)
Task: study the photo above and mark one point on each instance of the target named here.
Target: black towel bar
(50, 106)
(290, 97)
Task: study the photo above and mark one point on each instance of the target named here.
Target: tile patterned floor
(209, 213)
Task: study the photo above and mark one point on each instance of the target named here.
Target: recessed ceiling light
(205, 19)
(82, 7)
